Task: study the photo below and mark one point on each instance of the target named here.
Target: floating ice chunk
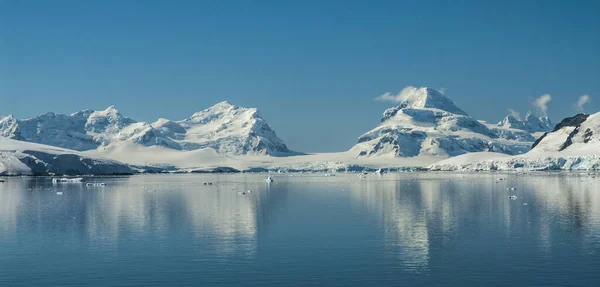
(513, 197)
(67, 180)
(269, 179)
(59, 193)
(95, 184)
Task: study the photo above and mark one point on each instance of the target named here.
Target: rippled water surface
(391, 230)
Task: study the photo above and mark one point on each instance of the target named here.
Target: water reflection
(140, 207)
(424, 220)
(425, 215)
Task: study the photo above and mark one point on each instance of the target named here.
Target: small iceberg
(95, 184)
(269, 179)
(59, 193)
(67, 180)
(513, 197)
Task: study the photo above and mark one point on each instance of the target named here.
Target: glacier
(24, 158)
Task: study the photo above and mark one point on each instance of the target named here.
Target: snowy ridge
(226, 128)
(577, 133)
(428, 123)
(531, 123)
(574, 144)
(23, 158)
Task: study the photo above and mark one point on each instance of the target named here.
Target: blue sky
(312, 68)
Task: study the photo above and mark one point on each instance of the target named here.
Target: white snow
(24, 158)
(426, 130)
(531, 123)
(428, 123)
(570, 147)
(11, 165)
(208, 159)
(226, 128)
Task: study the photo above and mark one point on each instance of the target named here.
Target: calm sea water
(391, 230)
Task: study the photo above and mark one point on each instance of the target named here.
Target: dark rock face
(573, 121)
(569, 140)
(587, 135)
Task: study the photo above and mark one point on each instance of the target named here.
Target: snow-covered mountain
(573, 134)
(531, 123)
(226, 128)
(428, 123)
(573, 144)
(24, 158)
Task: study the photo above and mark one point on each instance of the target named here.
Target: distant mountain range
(226, 128)
(425, 126)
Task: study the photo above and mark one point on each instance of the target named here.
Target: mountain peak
(531, 123)
(420, 98)
(219, 110)
(9, 117)
(83, 113)
(111, 110)
(224, 105)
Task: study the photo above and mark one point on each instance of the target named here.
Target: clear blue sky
(311, 67)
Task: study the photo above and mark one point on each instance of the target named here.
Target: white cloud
(387, 97)
(581, 102)
(514, 114)
(541, 103)
(400, 97)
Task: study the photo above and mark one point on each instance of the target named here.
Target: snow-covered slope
(574, 144)
(579, 134)
(531, 123)
(226, 128)
(24, 158)
(208, 160)
(429, 123)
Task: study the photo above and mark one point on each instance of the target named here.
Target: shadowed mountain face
(24, 158)
(580, 131)
(226, 128)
